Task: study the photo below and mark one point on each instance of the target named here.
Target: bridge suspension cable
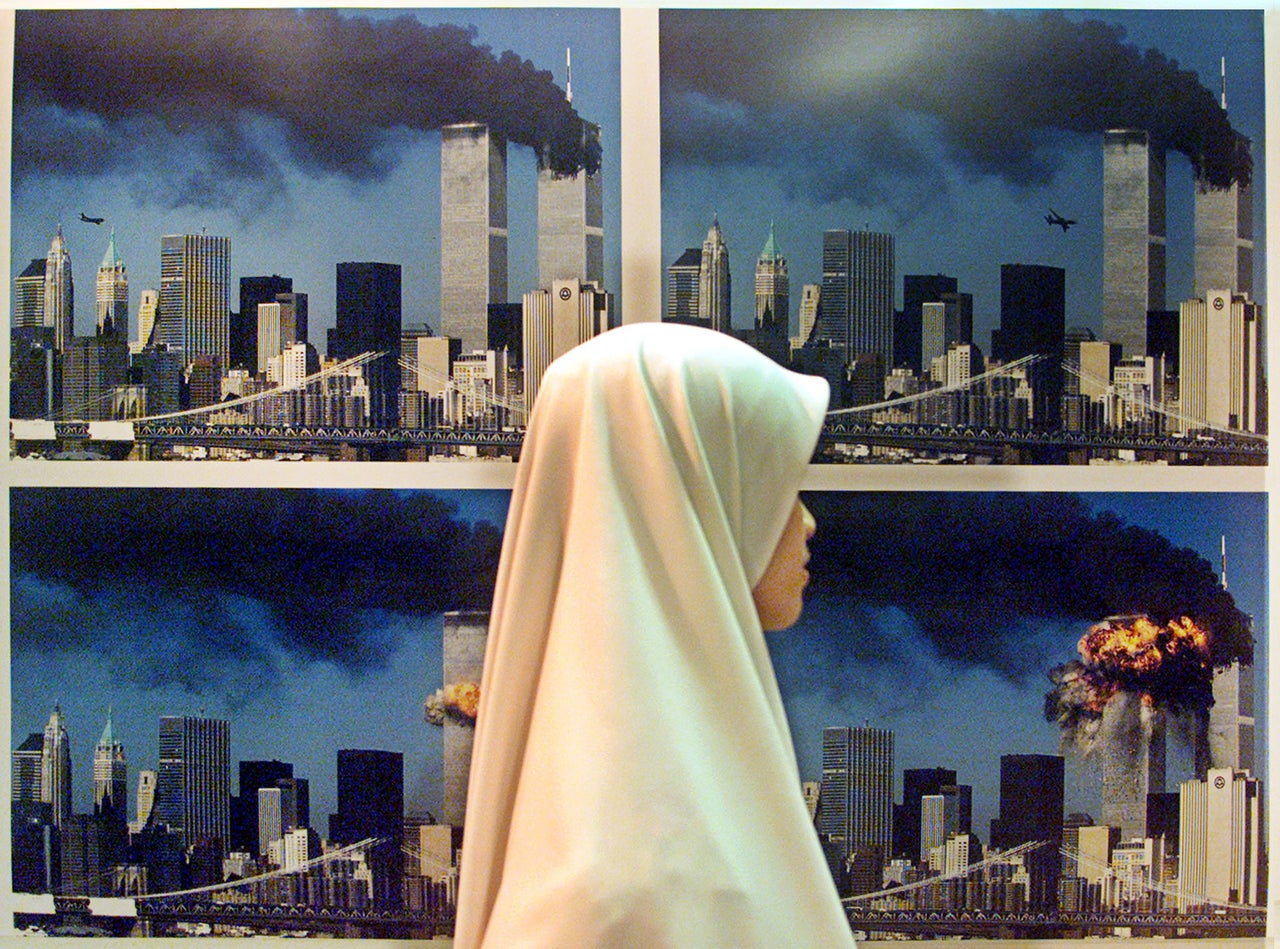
(1149, 885)
(314, 862)
(998, 372)
(991, 859)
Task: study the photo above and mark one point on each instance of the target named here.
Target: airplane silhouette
(90, 220)
(1053, 217)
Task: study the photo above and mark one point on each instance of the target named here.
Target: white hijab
(633, 780)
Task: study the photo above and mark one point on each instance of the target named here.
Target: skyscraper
(945, 322)
(857, 791)
(554, 321)
(465, 636)
(857, 293)
(810, 308)
(55, 768)
(112, 293)
(714, 290)
(253, 291)
(473, 230)
(1220, 359)
(145, 800)
(148, 306)
(1033, 321)
(25, 770)
(28, 295)
(916, 783)
(1133, 236)
(1220, 839)
(682, 287)
(110, 776)
(773, 289)
(194, 313)
(1031, 799)
(254, 775)
(369, 320)
(371, 804)
(1231, 719)
(908, 341)
(1133, 762)
(571, 222)
(59, 292)
(193, 784)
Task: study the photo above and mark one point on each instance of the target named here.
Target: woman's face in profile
(779, 596)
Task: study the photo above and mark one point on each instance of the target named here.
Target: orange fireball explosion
(459, 701)
(1167, 665)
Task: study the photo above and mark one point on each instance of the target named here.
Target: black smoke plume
(976, 572)
(191, 92)
(851, 102)
(183, 586)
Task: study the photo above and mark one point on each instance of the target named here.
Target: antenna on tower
(1224, 84)
(1224, 561)
(568, 82)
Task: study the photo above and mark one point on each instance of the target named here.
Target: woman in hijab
(633, 780)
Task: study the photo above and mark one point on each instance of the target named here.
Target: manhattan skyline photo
(312, 621)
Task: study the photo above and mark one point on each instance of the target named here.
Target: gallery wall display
(1029, 691)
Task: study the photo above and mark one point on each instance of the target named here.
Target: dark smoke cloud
(976, 575)
(189, 94)
(184, 586)
(854, 104)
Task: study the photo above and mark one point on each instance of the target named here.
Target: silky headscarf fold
(633, 781)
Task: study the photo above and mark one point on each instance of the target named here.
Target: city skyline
(81, 641)
(299, 182)
(963, 178)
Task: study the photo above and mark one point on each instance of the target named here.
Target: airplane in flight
(1053, 217)
(90, 220)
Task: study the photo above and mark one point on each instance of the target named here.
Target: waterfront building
(193, 783)
(25, 766)
(371, 804)
(683, 287)
(473, 230)
(773, 289)
(909, 347)
(59, 292)
(555, 321)
(857, 293)
(1033, 321)
(714, 289)
(571, 222)
(28, 295)
(144, 801)
(193, 313)
(1133, 235)
(857, 793)
(55, 768)
(148, 306)
(1220, 840)
(810, 309)
(1221, 359)
(110, 776)
(369, 321)
(112, 288)
(1031, 809)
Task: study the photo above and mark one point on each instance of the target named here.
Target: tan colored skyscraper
(714, 297)
(473, 230)
(194, 313)
(59, 293)
(571, 224)
(55, 768)
(112, 293)
(465, 637)
(773, 289)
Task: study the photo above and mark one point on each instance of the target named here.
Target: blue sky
(896, 122)
(289, 208)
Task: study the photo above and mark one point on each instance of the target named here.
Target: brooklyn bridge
(966, 423)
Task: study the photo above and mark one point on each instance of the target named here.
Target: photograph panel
(1004, 236)
(204, 667)
(318, 231)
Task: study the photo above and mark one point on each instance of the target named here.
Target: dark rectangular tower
(369, 321)
(1033, 321)
(1031, 810)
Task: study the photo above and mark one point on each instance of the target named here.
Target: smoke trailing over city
(135, 90)
(979, 574)
(189, 587)
(851, 102)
